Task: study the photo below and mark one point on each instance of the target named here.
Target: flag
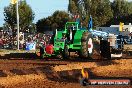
(90, 24)
(13, 1)
(121, 26)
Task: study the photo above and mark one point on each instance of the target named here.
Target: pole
(17, 25)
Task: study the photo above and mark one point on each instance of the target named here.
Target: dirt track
(59, 74)
(29, 72)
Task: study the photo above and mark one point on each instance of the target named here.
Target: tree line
(103, 12)
(26, 16)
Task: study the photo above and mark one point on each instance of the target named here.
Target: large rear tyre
(86, 46)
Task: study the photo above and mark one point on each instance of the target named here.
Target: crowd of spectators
(8, 41)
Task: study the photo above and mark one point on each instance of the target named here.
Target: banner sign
(30, 46)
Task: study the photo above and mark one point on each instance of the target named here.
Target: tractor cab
(71, 26)
(70, 30)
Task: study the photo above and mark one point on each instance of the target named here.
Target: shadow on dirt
(24, 71)
(19, 55)
(2, 74)
(69, 76)
(33, 56)
(63, 76)
(17, 72)
(73, 58)
(105, 63)
(73, 76)
(2, 86)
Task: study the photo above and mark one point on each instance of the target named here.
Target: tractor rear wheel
(86, 45)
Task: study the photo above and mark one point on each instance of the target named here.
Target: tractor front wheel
(65, 52)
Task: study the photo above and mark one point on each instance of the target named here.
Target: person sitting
(70, 34)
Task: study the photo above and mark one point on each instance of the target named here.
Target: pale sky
(42, 8)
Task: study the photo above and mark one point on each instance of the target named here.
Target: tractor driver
(70, 34)
(71, 29)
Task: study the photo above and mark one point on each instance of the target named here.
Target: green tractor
(71, 39)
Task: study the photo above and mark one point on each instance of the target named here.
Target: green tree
(103, 12)
(1, 28)
(25, 13)
(72, 7)
(99, 9)
(60, 17)
(43, 25)
(122, 11)
(56, 21)
(32, 28)
(130, 8)
(121, 8)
